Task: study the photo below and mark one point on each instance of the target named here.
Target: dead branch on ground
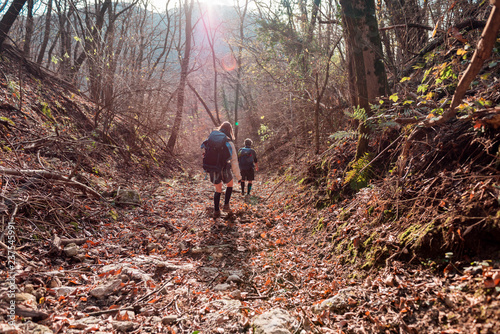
(51, 176)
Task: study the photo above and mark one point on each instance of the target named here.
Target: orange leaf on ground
(489, 283)
(496, 278)
(122, 316)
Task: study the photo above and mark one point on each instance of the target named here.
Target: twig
(129, 308)
(153, 292)
(4, 246)
(177, 307)
(409, 25)
(210, 284)
(257, 297)
(385, 149)
(275, 188)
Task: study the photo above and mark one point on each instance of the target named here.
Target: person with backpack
(247, 159)
(219, 159)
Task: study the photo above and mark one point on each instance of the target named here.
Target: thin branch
(207, 109)
(409, 25)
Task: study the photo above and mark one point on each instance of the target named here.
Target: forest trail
(169, 267)
(406, 240)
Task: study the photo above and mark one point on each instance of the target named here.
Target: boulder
(38, 329)
(102, 291)
(222, 287)
(127, 197)
(64, 290)
(8, 329)
(71, 250)
(26, 297)
(233, 278)
(276, 321)
(125, 326)
(337, 303)
(169, 319)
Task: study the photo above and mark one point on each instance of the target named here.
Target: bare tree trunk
(29, 31)
(96, 45)
(312, 23)
(320, 92)
(64, 14)
(365, 48)
(109, 71)
(51, 50)
(46, 33)
(183, 79)
(167, 44)
(239, 70)
(9, 18)
(211, 41)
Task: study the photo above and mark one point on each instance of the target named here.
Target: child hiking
(247, 159)
(219, 159)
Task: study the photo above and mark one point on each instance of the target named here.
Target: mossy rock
(127, 197)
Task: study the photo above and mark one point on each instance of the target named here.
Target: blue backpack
(245, 158)
(217, 151)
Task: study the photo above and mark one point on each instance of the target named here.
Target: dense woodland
(376, 207)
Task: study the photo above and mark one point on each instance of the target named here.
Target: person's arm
(255, 161)
(235, 166)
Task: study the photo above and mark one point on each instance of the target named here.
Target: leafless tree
(9, 18)
(29, 30)
(46, 32)
(188, 35)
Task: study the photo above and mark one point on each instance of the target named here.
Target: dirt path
(169, 267)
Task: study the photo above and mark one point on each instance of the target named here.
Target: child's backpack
(217, 151)
(245, 158)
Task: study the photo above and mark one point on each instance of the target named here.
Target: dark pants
(248, 175)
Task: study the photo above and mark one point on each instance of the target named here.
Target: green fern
(343, 135)
(358, 114)
(360, 173)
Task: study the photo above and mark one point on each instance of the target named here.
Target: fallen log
(50, 176)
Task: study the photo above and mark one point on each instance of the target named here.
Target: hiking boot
(226, 207)
(217, 214)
